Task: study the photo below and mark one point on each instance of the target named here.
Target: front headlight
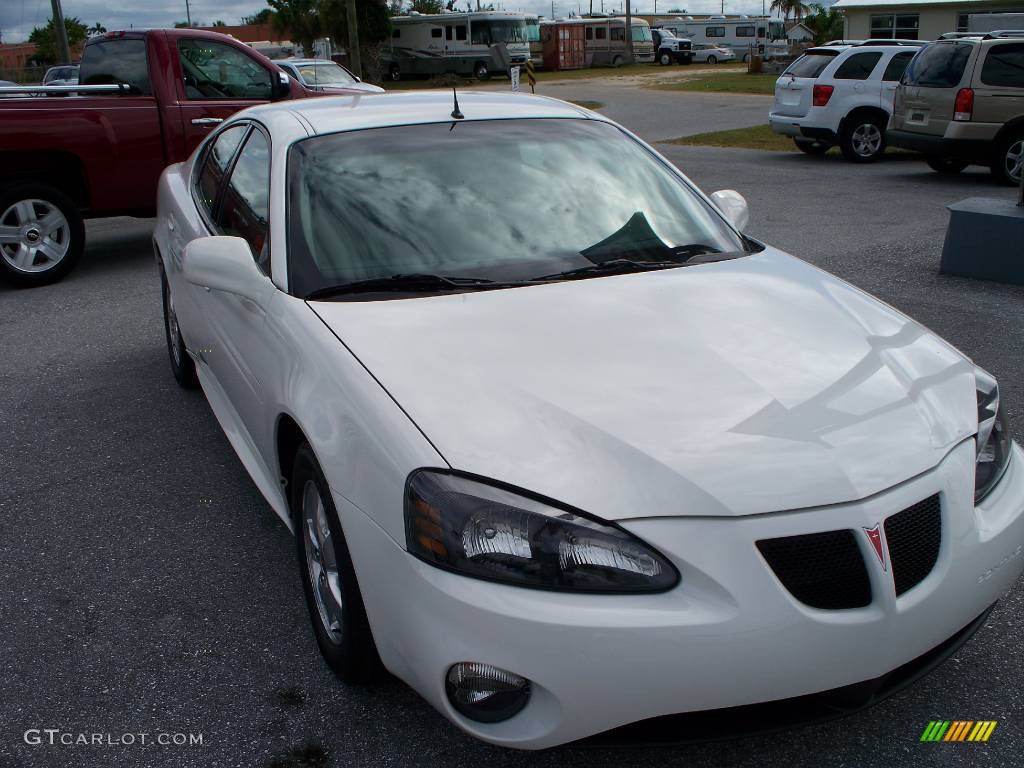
(993, 439)
(481, 529)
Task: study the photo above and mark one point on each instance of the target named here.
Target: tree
(795, 8)
(219, 23)
(46, 40)
(300, 19)
(263, 17)
(825, 23)
(97, 29)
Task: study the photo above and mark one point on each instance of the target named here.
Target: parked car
(669, 49)
(961, 102)
(841, 95)
(711, 54)
(719, 479)
(101, 154)
(66, 74)
(325, 76)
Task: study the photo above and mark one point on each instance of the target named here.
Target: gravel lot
(132, 605)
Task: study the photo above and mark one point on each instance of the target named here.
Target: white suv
(841, 94)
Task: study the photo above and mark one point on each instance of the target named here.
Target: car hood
(747, 386)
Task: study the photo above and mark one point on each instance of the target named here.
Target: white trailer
(990, 22)
(744, 35)
(473, 43)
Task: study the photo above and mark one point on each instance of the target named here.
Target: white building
(920, 20)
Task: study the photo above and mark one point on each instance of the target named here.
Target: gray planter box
(985, 240)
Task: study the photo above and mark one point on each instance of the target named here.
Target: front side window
(533, 31)
(857, 67)
(215, 166)
(213, 70)
(900, 27)
(116, 61)
(379, 202)
(1004, 66)
(244, 209)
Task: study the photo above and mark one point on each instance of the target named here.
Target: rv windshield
(532, 31)
(642, 34)
(491, 31)
(487, 200)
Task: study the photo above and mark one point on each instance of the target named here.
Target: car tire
(480, 71)
(617, 62)
(42, 234)
(711, 60)
(1008, 163)
(329, 582)
(395, 73)
(812, 147)
(862, 139)
(182, 365)
(945, 165)
(665, 58)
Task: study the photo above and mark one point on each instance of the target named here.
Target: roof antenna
(456, 113)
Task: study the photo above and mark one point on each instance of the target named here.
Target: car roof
(359, 111)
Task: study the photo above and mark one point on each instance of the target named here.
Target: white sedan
(562, 448)
(711, 54)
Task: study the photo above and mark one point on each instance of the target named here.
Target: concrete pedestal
(985, 240)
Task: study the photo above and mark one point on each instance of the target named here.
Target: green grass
(758, 137)
(724, 82)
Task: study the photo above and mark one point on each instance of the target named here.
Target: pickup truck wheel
(41, 234)
(1008, 164)
(328, 579)
(862, 139)
(395, 73)
(947, 165)
(480, 71)
(665, 58)
(182, 366)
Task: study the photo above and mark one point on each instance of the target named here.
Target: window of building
(902, 27)
(714, 32)
(962, 18)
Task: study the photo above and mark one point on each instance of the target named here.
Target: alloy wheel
(322, 562)
(173, 333)
(1013, 162)
(866, 140)
(34, 235)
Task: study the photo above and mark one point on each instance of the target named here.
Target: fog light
(485, 693)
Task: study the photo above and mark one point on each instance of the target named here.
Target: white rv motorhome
(744, 35)
(473, 43)
(605, 40)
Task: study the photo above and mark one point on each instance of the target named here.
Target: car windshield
(810, 64)
(940, 65)
(501, 200)
(325, 73)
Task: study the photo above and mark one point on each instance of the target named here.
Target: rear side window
(243, 213)
(940, 65)
(857, 67)
(1004, 66)
(897, 65)
(215, 166)
(810, 64)
(116, 61)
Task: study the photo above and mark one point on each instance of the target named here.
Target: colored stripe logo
(958, 730)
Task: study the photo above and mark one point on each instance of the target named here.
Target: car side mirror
(733, 206)
(282, 86)
(225, 264)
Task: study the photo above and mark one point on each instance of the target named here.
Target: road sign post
(531, 78)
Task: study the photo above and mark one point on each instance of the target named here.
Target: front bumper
(729, 635)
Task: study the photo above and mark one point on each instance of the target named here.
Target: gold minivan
(961, 102)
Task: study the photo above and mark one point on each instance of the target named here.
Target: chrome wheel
(1013, 161)
(173, 334)
(322, 562)
(34, 235)
(866, 140)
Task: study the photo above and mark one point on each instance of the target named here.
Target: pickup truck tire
(664, 58)
(1008, 161)
(42, 234)
(480, 71)
(182, 366)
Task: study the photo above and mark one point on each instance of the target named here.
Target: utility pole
(61, 33)
(629, 33)
(188, 14)
(354, 62)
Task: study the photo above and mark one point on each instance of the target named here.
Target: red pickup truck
(95, 155)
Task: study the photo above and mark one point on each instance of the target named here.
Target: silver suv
(961, 102)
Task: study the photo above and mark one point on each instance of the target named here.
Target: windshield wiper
(687, 254)
(412, 283)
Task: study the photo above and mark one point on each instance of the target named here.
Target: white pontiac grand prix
(561, 447)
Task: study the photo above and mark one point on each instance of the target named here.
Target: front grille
(914, 536)
(822, 570)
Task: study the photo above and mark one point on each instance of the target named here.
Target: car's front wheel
(862, 140)
(41, 234)
(947, 165)
(812, 147)
(1008, 164)
(182, 366)
(328, 579)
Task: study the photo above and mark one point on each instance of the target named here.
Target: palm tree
(796, 8)
(97, 29)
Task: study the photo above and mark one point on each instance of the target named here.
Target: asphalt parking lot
(147, 587)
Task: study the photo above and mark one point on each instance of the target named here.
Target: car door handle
(207, 120)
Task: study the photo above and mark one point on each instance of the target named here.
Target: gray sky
(18, 17)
